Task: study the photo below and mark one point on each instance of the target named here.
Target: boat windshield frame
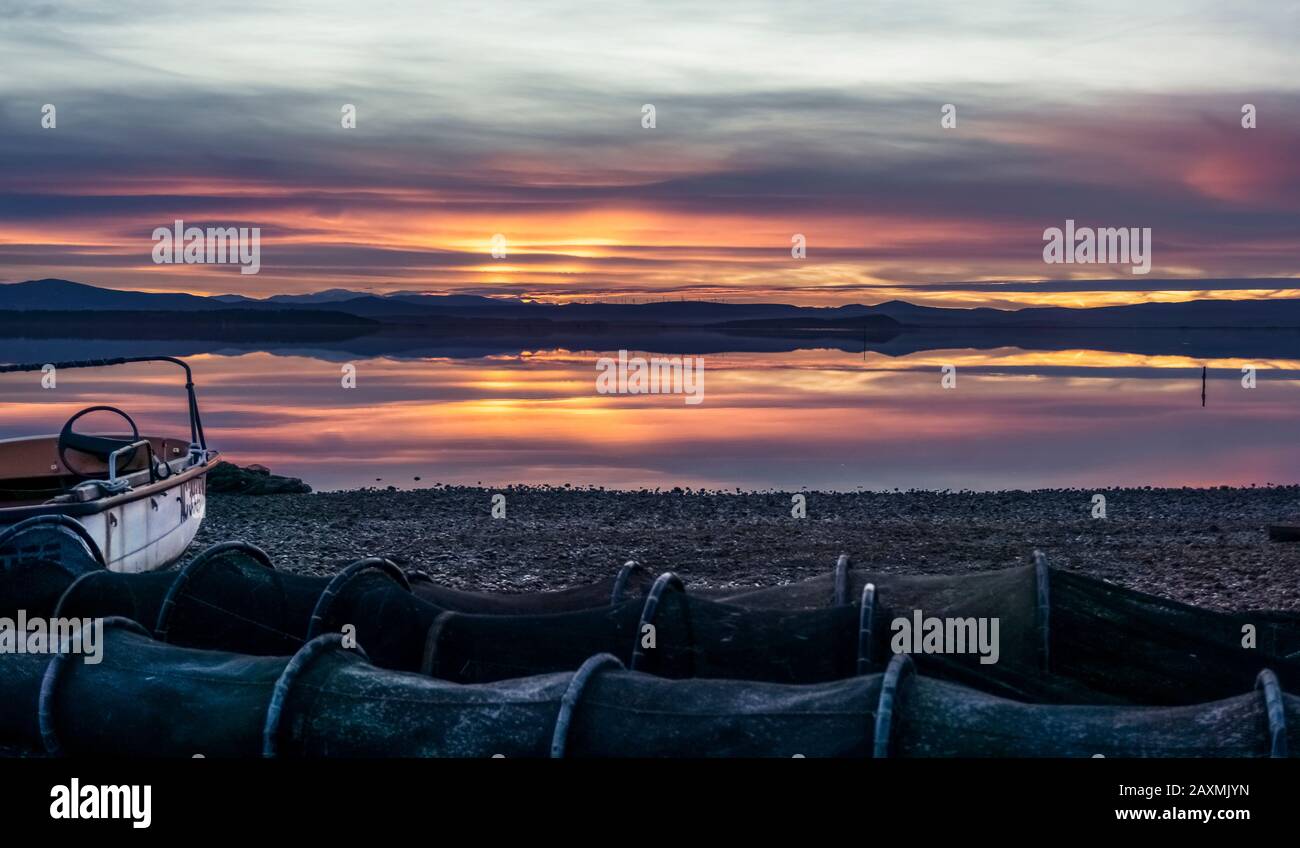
(198, 441)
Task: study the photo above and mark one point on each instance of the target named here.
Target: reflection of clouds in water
(815, 418)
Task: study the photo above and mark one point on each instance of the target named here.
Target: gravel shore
(1202, 546)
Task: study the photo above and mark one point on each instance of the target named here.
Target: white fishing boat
(135, 501)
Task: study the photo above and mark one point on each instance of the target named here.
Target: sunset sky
(525, 119)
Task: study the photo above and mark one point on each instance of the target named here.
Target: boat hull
(140, 530)
(152, 532)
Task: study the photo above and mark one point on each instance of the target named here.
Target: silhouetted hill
(875, 323)
(1195, 313)
(423, 309)
(65, 294)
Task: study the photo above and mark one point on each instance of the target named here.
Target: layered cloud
(772, 120)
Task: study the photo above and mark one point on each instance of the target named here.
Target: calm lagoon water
(816, 418)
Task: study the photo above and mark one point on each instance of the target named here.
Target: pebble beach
(1207, 547)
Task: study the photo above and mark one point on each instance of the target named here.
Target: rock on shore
(230, 479)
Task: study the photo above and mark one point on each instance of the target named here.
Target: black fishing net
(1061, 637)
(623, 714)
(932, 718)
(1117, 640)
(671, 635)
(1086, 642)
(676, 635)
(39, 558)
(146, 698)
(371, 601)
(823, 590)
(696, 637)
(900, 714)
(149, 698)
(230, 598)
(485, 648)
(141, 596)
(631, 581)
(20, 692)
(1065, 637)
(102, 593)
(342, 706)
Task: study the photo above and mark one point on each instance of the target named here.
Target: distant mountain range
(67, 296)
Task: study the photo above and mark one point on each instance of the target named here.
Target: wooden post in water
(1204, 371)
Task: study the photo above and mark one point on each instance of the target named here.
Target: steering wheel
(97, 446)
